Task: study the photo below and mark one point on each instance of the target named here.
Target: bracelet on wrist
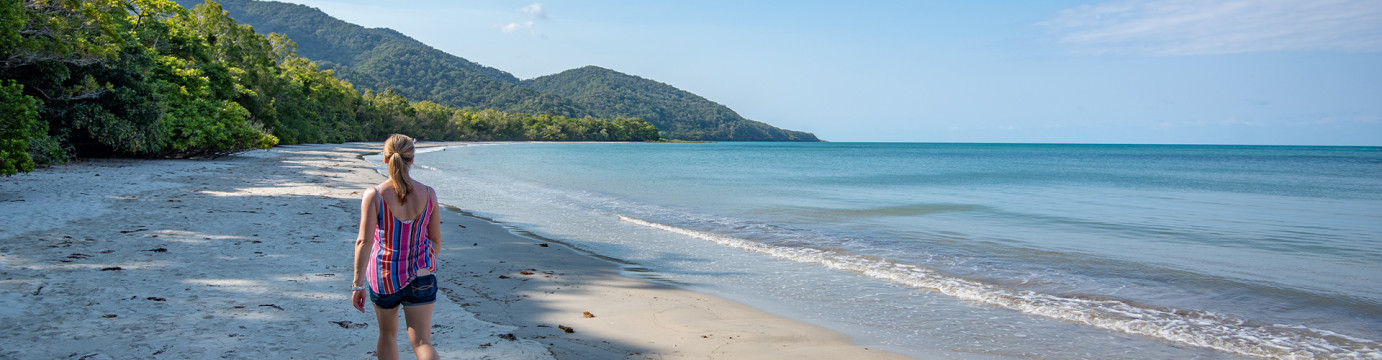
(357, 288)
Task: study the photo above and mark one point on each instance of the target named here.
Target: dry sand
(248, 256)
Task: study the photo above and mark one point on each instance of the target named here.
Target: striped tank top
(401, 248)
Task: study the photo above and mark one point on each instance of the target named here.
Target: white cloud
(1209, 27)
(516, 27)
(535, 10)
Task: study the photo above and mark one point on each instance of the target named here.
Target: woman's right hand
(357, 298)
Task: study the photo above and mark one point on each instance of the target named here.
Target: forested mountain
(379, 59)
(677, 113)
(149, 78)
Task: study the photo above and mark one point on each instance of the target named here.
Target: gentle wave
(846, 214)
(428, 149)
(1191, 327)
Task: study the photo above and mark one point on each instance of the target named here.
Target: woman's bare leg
(419, 318)
(387, 348)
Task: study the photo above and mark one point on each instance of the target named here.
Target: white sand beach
(249, 256)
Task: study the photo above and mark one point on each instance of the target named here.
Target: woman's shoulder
(372, 191)
(426, 191)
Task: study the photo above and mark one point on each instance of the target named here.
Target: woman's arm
(364, 241)
(434, 224)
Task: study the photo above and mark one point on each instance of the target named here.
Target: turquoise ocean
(975, 250)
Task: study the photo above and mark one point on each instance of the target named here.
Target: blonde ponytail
(398, 152)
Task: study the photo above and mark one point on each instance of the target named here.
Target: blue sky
(1136, 71)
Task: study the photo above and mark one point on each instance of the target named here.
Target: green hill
(677, 113)
(379, 59)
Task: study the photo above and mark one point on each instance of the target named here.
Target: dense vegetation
(379, 59)
(135, 77)
(678, 113)
(440, 122)
(149, 78)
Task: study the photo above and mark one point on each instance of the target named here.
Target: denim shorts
(421, 291)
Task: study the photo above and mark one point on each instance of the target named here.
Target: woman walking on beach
(397, 257)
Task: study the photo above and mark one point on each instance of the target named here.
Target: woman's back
(418, 201)
(402, 247)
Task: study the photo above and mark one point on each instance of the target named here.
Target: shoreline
(543, 286)
(116, 258)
